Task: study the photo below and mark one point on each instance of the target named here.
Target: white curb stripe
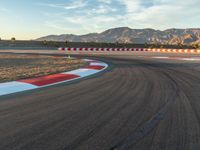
(14, 86)
(97, 64)
(83, 72)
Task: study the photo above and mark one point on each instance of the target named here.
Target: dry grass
(15, 67)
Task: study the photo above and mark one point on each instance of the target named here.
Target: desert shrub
(44, 43)
(13, 39)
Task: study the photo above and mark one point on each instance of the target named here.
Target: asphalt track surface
(138, 104)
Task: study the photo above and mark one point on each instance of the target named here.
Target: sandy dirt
(15, 67)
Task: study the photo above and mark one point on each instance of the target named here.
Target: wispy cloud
(132, 5)
(160, 14)
(68, 6)
(83, 16)
(164, 14)
(105, 1)
(4, 10)
(103, 9)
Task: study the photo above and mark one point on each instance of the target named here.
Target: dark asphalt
(136, 105)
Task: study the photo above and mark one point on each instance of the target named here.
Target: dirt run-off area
(14, 67)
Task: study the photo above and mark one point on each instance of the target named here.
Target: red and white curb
(101, 49)
(34, 83)
(162, 50)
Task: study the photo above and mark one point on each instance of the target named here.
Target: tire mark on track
(101, 108)
(89, 134)
(141, 132)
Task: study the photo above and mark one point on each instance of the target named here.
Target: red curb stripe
(95, 67)
(50, 79)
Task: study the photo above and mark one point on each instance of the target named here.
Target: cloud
(104, 14)
(85, 16)
(105, 1)
(131, 5)
(169, 13)
(161, 14)
(4, 10)
(55, 26)
(84, 24)
(103, 9)
(70, 5)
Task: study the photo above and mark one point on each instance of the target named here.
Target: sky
(31, 19)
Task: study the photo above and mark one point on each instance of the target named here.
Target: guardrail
(161, 50)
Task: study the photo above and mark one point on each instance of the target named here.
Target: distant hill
(128, 35)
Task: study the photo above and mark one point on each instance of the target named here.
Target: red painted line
(95, 67)
(50, 79)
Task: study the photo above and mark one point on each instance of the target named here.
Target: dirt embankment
(15, 67)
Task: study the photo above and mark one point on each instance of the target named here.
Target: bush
(13, 39)
(44, 43)
(195, 46)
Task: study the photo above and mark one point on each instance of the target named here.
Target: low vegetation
(53, 45)
(15, 67)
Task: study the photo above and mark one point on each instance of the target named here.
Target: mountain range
(128, 35)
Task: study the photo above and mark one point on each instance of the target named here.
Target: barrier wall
(130, 50)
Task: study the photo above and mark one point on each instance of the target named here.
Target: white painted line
(160, 57)
(189, 59)
(178, 58)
